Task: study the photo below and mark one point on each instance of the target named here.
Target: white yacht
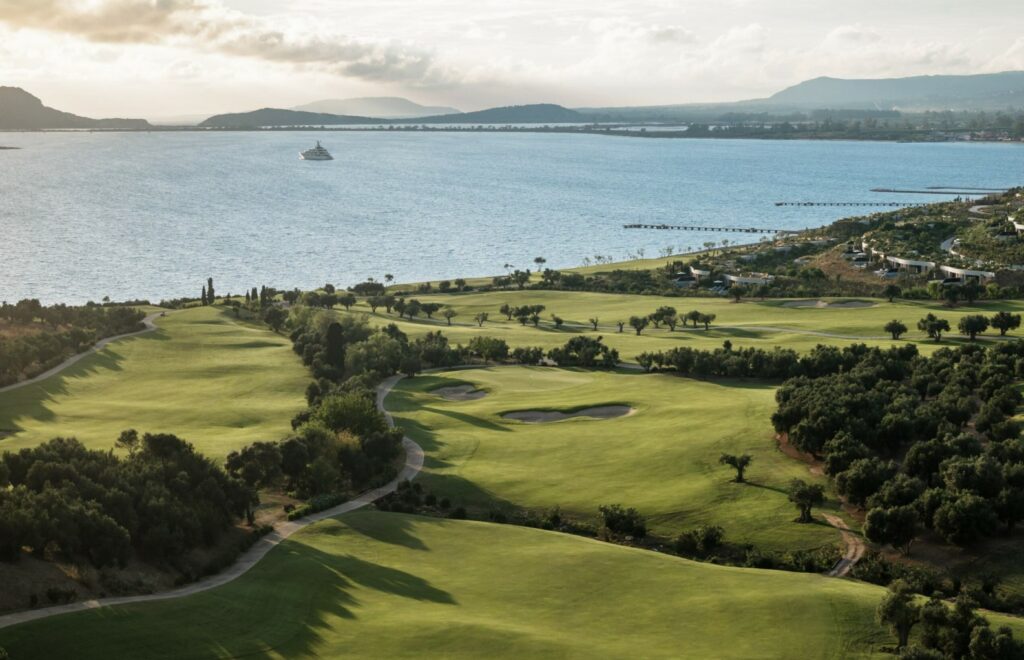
(316, 153)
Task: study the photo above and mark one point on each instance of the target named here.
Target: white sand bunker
(821, 304)
(459, 393)
(541, 416)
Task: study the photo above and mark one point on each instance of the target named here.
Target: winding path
(282, 530)
(100, 345)
(854, 547)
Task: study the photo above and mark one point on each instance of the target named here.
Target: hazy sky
(154, 58)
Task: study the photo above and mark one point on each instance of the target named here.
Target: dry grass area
(10, 330)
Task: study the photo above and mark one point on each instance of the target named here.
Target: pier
(739, 230)
(930, 191)
(844, 203)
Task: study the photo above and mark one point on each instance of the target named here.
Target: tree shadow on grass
(782, 491)
(303, 601)
(398, 531)
(472, 420)
(35, 401)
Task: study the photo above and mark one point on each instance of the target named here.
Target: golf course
(372, 584)
(217, 381)
(796, 324)
(662, 458)
(508, 438)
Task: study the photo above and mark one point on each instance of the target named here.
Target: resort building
(968, 275)
(699, 274)
(911, 265)
(752, 279)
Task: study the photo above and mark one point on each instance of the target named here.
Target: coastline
(634, 131)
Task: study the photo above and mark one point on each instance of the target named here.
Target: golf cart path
(100, 345)
(282, 530)
(854, 547)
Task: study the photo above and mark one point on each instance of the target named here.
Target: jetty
(739, 230)
(844, 203)
(930, 191)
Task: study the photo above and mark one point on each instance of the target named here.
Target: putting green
(662, 459)
(203, 375)
(377, 585)
(763, 324)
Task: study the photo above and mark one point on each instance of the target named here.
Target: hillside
(280, 117)
(538, 113)
(20, 110)
(385, 107)
(879, 98)
(984, 91)
(541, 113)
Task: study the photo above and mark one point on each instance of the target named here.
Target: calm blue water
(152, 215)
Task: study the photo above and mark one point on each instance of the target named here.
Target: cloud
(212, 27)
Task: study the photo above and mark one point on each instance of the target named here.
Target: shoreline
(961, 137)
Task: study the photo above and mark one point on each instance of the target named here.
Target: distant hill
(538, 113)
(19, 110)
(280, 117)
(990, 91)
(385, 107)
(541, 113)
(974, 92)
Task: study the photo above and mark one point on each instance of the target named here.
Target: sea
(151, 215)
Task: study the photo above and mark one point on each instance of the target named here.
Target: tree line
(42, 337)
(159, 501)
(920, 443)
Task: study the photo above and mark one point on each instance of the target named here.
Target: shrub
(623, 522)
(699, 542)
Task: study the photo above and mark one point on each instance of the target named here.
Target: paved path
(282, 530)
(854, 547)
(100, 345)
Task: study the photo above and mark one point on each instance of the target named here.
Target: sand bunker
(821, 304)
(459, 393)
(540, 416)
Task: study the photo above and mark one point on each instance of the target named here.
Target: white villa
(968, 275)
(911, 265)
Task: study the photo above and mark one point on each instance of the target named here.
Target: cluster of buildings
(893, 266)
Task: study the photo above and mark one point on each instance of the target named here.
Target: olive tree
(739, 463)
(1004, 321)
(895, 328)
(638, 323)
(972, 325)
(806, 496)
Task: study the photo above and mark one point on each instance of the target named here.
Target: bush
(58, 595)
(623, 522)
(458, 513)
(699, 542)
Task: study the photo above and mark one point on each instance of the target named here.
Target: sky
(169, 58)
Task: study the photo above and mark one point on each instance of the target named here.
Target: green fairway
(662, 460)
(203, 375)
(764, 324)
(376, 585)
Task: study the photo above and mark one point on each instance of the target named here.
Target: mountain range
(383, 107)
(993, 91)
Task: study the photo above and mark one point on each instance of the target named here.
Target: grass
(376, 585)
(764, 324)
(663, 459)
(203, 375)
